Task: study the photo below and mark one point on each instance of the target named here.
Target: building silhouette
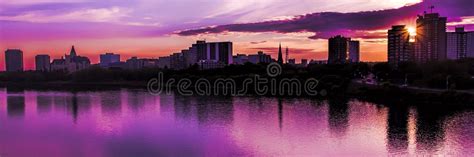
(354, 51)
(260, 57)
(292, 61)
(460, 44)
(399, 47)
(304, 62)
(42, 63)
(70, 63)
(280, 55)
(14, 60)
(215, 51)
(337, 49)
(240, 59)
(108, 59)
(430, 40)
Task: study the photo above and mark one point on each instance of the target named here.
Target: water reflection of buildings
(280, 114)
(44, 104)
(15, 103)
(430, 131)
(397, 129)
(338, 116)
(111, 102)
(69, 103)
(207, 111)
(136, 100)
(166, 105)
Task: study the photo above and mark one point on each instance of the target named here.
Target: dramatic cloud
(357, 24)
(258, 42)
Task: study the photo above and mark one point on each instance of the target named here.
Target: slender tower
(286, 60)
(280, 55)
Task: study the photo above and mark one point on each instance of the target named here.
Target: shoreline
(380, 93)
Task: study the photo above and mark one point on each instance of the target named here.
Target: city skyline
(35, 37)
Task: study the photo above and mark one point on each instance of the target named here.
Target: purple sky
(153, 28)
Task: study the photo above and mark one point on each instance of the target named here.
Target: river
(131, 122)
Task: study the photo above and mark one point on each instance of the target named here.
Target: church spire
(73, 52)
(280, 55)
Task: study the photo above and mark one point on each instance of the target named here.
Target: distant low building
(164, 62)
(70, 63)
(210, 64)
(108, 58)
(240, 59)
(42, 63)
(134, 63)
(304, 62)
(177, 61)
(292, 61)
(318, 62)
(260, 57)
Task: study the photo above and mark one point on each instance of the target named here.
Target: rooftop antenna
(431, 8)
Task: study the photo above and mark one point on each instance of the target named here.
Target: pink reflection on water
(134, 123)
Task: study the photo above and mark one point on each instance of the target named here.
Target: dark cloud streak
(357, 24)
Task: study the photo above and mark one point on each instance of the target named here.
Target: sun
(412, 31)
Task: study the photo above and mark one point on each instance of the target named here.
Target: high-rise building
(460, 44)
(399, 48)
(337, 49)
(354, 51)
(216, 51)
(470, 44)
(280, 55)
(430, 39)
(287, 55)
(109, 58)
(14, 60)
(43, 63)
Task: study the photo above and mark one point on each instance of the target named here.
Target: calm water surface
(133, 123)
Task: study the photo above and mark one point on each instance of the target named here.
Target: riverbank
(376, 93)
(412, 95)
(68, 85)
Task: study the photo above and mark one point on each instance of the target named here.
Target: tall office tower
(337, 49)
(287, 55)
(399, 48)
(280, 55)
(354, 51)
(470, 44)
(14, 60)
(460, 44)
(109, 58)
(430, 40)
(43, 63)
(213, 51)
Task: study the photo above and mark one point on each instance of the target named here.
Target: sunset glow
(147, 28)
